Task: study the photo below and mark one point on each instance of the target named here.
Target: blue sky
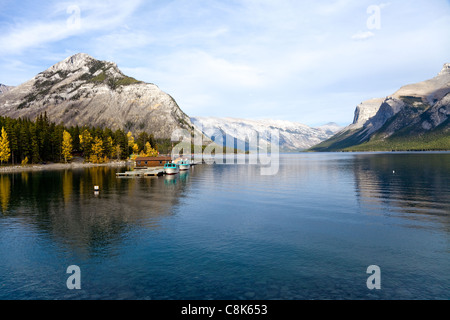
(305, 61)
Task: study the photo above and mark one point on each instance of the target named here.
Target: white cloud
(363, 35)
(250, 57)
(57, 25)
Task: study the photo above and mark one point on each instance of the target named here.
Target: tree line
(24, 141)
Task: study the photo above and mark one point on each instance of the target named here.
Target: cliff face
(415, 112)
(81, 90)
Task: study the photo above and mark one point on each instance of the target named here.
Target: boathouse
(151, 162)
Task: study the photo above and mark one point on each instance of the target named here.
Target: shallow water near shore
(228, 232)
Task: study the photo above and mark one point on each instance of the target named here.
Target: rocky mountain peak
(418, 111)
(72, 63)
(81, 90)
(445, 70)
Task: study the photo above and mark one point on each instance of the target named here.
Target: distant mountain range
(292, 136)
(416, 117)
(81, 90)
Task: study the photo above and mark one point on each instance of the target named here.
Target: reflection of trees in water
(63, 204)
(5, 192)
(413, 183)
(67, 185)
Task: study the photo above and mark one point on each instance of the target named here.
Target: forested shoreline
(24, 141)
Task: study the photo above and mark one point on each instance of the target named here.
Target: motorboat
(171, 168)
(184, 164)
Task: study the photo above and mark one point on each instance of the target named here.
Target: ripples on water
(228, 232)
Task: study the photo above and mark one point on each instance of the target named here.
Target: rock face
(4, 88)
(81, 90)
(415, 111)
(292, 136)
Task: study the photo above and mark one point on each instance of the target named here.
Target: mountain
(416, 117)
(293, 136)
(4, 88)
(81, 90)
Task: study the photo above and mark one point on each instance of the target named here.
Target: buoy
(393, 172)
(96, 188)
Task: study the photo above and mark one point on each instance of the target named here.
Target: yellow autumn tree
(5, 150)
(149, 151)
(67, 146)
(97, 151)
(135, 148)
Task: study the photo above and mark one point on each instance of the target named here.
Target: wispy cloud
(56, 25)
(238, 58)
(363, 35)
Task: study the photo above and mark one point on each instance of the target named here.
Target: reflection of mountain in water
(64, 205)
(414, 184)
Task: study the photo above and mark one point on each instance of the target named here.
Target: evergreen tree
(86, 143)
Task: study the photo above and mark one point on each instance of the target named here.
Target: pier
(151, 172)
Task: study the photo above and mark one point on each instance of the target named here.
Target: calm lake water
(228, 232)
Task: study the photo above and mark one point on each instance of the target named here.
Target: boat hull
(172, 171)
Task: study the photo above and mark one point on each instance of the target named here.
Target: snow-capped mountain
(293, 136)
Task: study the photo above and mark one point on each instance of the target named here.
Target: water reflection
(5, 192)
(64, 205)
(411, 185)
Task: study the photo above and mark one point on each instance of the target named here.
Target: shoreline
(59, 166)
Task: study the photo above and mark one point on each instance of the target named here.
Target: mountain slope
(4, 88)
(416, 117)
(81, 90)
(293, 136)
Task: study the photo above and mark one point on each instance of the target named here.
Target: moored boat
(184, 164)
(171, 168)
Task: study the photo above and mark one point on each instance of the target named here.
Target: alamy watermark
(374, 20)
(74, 20)
(374, 281)
(74, 281)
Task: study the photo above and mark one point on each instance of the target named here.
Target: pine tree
(118, 151)
(5, 151)
(86, 143)
(67, 146)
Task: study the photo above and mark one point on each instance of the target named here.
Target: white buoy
(96, 188)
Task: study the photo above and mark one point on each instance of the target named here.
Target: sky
(311, 62)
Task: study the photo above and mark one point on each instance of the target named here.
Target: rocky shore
(59, 166)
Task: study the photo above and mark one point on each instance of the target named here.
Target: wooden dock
(150, 172)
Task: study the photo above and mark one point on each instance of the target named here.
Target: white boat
(171, 168)
(184, 164)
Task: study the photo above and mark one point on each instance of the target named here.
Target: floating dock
(151, 172)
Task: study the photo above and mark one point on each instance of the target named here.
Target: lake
(227, 232)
